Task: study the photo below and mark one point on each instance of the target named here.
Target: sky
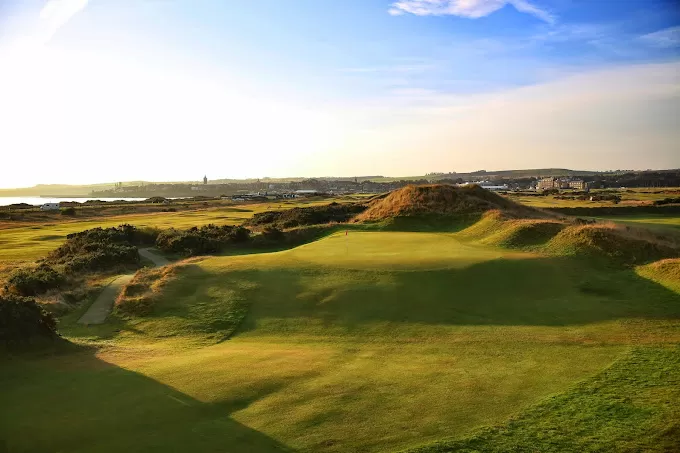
(171, 90)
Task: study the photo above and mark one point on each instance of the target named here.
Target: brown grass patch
(139, 296)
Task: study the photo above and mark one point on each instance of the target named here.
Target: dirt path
(102, 306)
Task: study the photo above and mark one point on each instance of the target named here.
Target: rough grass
(665, 272)
(138, 297)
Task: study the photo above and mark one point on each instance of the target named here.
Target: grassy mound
(621, 244)
(520, 233)
(665, 272)
(496, 228)
(138, 297)
(440, 200)
(668, 269)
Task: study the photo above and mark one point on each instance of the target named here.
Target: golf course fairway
(364, 341)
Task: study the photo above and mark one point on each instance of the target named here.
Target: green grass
(374, 341)
(629, 407)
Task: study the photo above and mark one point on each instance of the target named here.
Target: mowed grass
(374, 341)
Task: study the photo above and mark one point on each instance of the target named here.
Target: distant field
(374, 341)
(647, 221)
(34, 240)
(629, 197)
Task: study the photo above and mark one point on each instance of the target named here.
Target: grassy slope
(629, 407)
(367, 342)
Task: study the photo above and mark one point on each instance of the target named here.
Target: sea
(37, 201)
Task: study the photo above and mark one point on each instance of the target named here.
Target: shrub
(32, 282)
(313, 215)
(70, 211)
(101, 249)
(582, 221)
(146, 235)
(669, 200)
(272, 234)
(22, 320)
(197, 241)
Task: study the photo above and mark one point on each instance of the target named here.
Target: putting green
(393, 250)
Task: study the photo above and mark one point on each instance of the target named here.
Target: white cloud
(56, 13)
(616, 117)
(666, 38)
(466, 8)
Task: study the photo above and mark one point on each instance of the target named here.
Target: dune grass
(371, 341)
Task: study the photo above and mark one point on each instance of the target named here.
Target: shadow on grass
(75, 402)
(547, 291)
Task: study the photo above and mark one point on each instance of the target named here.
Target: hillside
(442, 200)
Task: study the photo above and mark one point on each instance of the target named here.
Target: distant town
(511, 181)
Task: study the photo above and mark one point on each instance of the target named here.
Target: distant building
(205, 179)
(554, 183)
(547, 184)
(486, 185)
(491, 186)
(49, 207)
(578, 184)
(304, 192)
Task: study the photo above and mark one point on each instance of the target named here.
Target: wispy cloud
(472, 9)
(666, 38)
(393, 69)
(56, 13)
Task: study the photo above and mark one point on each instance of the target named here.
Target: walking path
(156, 259)
(102, 306)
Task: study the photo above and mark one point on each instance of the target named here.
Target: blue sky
(321, 87)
